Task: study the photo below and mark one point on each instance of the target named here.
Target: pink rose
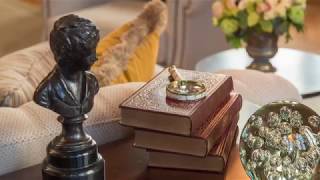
(217, 9)
(263, 7)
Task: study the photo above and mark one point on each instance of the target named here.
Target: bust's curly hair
(73, 37)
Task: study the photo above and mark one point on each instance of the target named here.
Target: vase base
(265, 67)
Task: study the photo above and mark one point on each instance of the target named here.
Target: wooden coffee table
(124, 162)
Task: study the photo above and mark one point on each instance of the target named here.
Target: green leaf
(234, 42)
(299, 27)
(288, 37)
(253, 19)
(266, 26)
(282, 27)
(230, 12)
(243, 17)
(229, 26)
(296, 15)
(251, 7)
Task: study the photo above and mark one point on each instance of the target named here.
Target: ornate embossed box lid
(151, 98)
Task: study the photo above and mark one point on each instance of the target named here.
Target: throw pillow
(129, 54)
(21, 72)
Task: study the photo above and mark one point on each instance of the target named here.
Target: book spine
(219, 97)
(229, 145)
(170, 143)
(217, 127)
(216, 161)
(167, 163)
(155, 121)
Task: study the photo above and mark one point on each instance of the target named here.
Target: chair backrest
(191, 34)
(57, 7)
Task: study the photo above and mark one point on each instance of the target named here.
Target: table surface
(124, 162)
(300, 68)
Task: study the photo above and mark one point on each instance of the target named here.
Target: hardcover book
(216, 161)
(200, 142)
(149, 108)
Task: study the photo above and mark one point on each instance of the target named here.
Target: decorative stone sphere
(281, 140)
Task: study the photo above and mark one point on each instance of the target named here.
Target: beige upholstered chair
(191, 34)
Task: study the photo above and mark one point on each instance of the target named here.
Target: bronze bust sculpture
(69, 90)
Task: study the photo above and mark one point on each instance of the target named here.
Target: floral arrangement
(237, 18)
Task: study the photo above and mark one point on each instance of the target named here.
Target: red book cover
(149, 108)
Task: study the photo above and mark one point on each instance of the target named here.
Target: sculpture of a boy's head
(73, 42)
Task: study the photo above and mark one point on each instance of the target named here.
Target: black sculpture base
(73, 155)
(95, 172)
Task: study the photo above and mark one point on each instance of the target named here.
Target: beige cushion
(262, 88)
(26, 131)
(21, 72)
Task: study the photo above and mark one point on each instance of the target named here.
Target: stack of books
(196, 135)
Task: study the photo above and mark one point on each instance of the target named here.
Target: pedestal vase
(262, 47)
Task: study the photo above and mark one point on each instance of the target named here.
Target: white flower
(271, 12)
(281, 10)
(275, 8)
(270, 15)
(286, 3)
(282, 7)
(300, 2)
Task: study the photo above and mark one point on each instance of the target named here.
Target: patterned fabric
(21, 72)
(26, 131)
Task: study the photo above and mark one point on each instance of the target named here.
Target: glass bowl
(280, 142)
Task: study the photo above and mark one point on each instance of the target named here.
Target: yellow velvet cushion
(141, 63)
(129, 54)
